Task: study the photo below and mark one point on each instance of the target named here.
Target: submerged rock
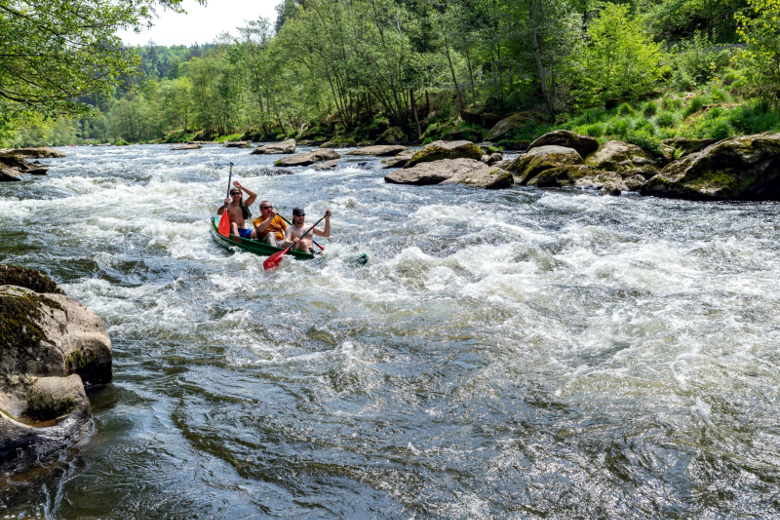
(439, 150)
(51, 346)
(738, 168)
(327, 165)
(306, 159)
(457, 171)
(283, 147)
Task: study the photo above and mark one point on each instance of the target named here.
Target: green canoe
(253, 246)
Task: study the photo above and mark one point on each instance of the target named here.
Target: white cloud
(201, 24)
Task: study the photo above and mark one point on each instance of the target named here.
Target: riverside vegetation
(390, 71)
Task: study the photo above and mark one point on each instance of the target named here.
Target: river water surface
(511, 354)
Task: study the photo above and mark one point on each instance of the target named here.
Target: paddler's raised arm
(326, 232)
(252, 195)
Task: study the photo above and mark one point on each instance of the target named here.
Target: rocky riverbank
(51, 348)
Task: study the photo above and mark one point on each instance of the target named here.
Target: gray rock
(439, 150)
(617, 156)
(283, 147)
(9, 174)
(42, 152)
(685, 145)
(306, 159)
(330, 144)
(508, 124)
(387, 150)
(457, 171)
(327, 165)
(238, 144)
(187, 147)
(59, 345)
(583, 144)
(400, 160)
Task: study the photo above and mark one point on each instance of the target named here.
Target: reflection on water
(514, 354)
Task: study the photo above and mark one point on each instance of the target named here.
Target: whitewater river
(509, 354)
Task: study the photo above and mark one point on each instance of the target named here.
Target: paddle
(224, 222)
(290, 223)
(275, 259)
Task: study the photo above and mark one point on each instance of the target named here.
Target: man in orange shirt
(269, 227)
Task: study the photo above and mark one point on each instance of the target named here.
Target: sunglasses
(266, 207)
(301, 215)
(235, 193)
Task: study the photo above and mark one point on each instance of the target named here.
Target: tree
(619, 62)
(761, 33)
(53, 51)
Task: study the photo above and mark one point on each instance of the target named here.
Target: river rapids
(504, 354)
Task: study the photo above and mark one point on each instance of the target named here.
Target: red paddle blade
(275, 259)
(224, 225)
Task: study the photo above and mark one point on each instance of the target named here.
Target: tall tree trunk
(414, 111)
(534, 8)
(471, 77)
(452, 70)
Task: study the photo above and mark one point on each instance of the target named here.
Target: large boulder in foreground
(738, 168)
(439, 150)
(583, 144)
(307, 159)
(534, 162)
(621, 157)
(283, 147)
(51, 347)
(386, 150)
(458, 171)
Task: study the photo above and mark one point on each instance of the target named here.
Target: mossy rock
(537, 160)
(561, 176)
(738, 168)
(392, 135)
(440, 150)
(583, 144)
(29, 278)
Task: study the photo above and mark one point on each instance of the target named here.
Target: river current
(504, 354)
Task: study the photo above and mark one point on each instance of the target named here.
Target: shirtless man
(269, 227)
(299, 227)
(238, 210)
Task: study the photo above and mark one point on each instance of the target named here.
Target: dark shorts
(244, 232)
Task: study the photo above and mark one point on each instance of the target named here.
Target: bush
(694, 105)
(671, 103)
(618, 126)
(719, 95)
(645, 140)
(595, 130)
(626, 110)
(649, 109)
(644, 124)
(665, 120)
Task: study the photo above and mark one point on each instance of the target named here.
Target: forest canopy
(411, 70)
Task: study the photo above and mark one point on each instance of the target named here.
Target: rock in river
(533, 162)
(51, 346)
(306, 159)
(738, 168)
(283, 147)
(388, 150)
(438, 150)
(458, 171)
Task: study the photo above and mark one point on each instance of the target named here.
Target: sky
(201, 24)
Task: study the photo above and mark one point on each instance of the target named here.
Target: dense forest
(417, 70)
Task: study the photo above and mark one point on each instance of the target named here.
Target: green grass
(229, 138)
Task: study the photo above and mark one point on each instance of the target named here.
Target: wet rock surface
(51, 347)
(457, 171)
